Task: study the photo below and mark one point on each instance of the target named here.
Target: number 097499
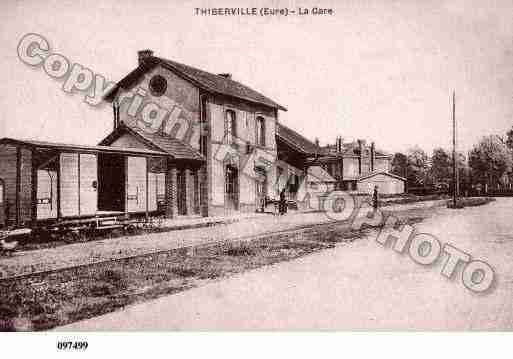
(72, 345)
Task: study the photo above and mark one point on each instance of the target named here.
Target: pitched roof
(85, 148)
(349, 149)
(318, 174)
(372, 174)
(297, 140)
(167, 144)
(205, 80)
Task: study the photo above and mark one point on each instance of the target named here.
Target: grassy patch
(469, 202)
(339, 237)
(184, 272)
(240, 251)
(108, 282)
(51, 299)
(409, 198)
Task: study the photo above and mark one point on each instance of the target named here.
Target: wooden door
(181, 189)
(136, 184)
(195, 191)
(293, 187)
(69, 184)
(261, 188)
(152, 192)
(88, 184)
(232, 188)
(46, 194)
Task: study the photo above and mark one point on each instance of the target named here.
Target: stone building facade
(220, 135)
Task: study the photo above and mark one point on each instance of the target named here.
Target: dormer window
(230, 126)
(260, 131)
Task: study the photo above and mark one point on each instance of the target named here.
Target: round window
(158, 85)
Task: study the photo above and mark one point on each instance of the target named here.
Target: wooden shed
(387, 183)
(43, 181)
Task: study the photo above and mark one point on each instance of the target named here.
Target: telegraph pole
(456, 184)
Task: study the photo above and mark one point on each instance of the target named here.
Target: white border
(261, 345)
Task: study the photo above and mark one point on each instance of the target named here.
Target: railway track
(328, 227)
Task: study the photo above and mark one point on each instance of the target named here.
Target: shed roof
(79, 148)
(297, 140)
(205, 80)
(318, 174)
(169, 145)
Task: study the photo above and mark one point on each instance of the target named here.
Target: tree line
(488, 167)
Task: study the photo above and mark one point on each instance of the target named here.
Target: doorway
(196, 192)
(111, 182)
(261, 188)
(181, 190)
(231, 188)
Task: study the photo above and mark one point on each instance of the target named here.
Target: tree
(490, 160)
(418, 165)
(442, 169)
(441, 166)
(509, 139)
(400, 164)
(509, 143)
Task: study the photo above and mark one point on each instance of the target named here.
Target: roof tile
(169, 145)
(318, 174)
(297, 140)
(206, 80)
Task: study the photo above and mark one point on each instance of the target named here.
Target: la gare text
(264, 11)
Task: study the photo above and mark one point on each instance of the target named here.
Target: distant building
(387, 183)
(356, 166)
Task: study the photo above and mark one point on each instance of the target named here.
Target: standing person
(283, 202)
(375, 198)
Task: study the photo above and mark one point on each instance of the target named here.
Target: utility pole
(454, 162)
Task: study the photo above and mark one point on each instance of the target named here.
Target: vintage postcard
(256, 166)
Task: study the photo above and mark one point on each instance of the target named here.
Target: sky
(383, 71)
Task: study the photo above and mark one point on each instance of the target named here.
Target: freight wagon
(45, 184)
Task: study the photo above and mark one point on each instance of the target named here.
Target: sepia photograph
(255, 166)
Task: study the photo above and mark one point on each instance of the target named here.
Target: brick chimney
(226, 76)
(143, 55)
(339, 144)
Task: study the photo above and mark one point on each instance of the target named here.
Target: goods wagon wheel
(74, 235)
(130, 228)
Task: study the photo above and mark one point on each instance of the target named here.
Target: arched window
(230, 126)
(260, 131)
